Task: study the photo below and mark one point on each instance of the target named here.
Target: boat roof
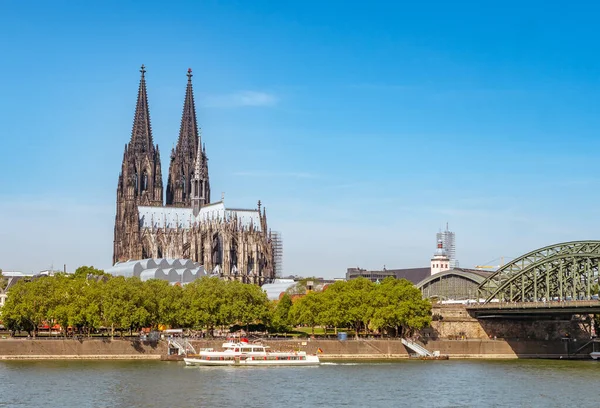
(231, 344)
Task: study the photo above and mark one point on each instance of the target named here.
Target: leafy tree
(334, 311)
(3, 281)
(123, 304)
(348, 304)
(138, 314)
(280, 321)
(245, 304)
(358, 301)
(60, 305)
(88, 272)
(25, 308)
(206, 305)
(306, 310)
(164, 303)
(90, 306)
(398, 306)
(40, 300)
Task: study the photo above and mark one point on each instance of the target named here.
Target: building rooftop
(413, 275)
(175, 217)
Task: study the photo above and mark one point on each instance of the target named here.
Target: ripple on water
(452, 383)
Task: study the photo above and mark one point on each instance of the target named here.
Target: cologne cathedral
(234, 244)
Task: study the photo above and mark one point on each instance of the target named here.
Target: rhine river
(452, 383)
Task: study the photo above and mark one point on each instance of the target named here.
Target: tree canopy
(392, 306)
(89, 300)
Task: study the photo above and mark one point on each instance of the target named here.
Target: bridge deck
(538, 308)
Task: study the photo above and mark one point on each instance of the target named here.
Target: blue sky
(362, 127)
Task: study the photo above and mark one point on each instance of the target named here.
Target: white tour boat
(244, 354)
(595, 355)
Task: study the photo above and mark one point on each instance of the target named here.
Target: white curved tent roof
(172, 270)
(188, 263)
(199, 271)
(148, 263)
(155, 273)
(185, 275)
(126, 269)
(279, 286)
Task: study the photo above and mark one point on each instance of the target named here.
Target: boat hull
(595, 355)
(200, 362)
(309, 361)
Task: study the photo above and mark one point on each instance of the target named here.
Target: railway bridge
(553, 281)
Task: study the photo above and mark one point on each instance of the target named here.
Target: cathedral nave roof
(177, 217)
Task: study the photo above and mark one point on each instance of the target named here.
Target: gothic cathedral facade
(234, 244)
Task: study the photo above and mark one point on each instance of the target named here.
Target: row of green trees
(89, 300)
(394, 306)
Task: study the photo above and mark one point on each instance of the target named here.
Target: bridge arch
(559, 272)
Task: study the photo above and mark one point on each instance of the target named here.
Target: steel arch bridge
(562, 272)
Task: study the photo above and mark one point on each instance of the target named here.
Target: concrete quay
(86, 349)
(363, 349)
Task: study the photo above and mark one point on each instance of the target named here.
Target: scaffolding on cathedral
(277, 243)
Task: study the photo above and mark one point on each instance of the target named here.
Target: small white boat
(595, 355)
(245, 354)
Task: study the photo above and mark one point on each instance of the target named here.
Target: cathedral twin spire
(188, 132)
(141, 176)
(141, 135)
(188, 170)
(140, 181)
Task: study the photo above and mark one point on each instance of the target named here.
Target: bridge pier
(458, 322)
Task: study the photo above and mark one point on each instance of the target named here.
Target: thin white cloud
(267, 174)
(240, 99)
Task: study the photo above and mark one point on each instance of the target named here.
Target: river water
(452, 383)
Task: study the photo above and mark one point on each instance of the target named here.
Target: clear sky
(362, 126)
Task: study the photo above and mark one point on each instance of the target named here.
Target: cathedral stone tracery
(231, 243)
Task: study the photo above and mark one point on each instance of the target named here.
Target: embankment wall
(80, 349)
(332, 349)
(505, 348)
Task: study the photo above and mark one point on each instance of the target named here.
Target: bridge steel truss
(560, 272)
